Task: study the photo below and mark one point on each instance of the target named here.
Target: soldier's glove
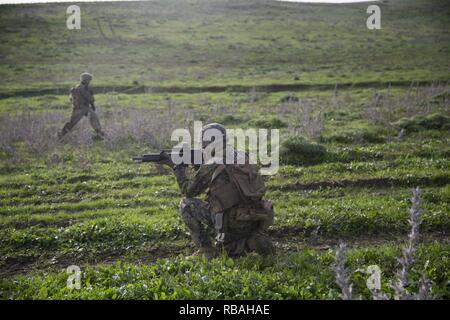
(166, 160)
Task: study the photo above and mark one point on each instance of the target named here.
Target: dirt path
(437, 181)
(218, 89)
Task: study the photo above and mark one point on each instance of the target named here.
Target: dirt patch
(437, 181)
(58, 224)
(288, 242)
(216, 89)
(17, 265)
(81, 178)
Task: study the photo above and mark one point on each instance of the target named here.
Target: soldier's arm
(92, 99)
(199, 182)
(71, 94)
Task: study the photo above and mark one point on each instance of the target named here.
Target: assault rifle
(157, 157)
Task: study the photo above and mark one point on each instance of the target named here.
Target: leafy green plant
(272, 122)
(230, 119)
(359, 135)
(297, 150)
(418, 123)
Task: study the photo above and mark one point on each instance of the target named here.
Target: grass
(301, 275)
(118, 211)
(222, 43)
(108, 209)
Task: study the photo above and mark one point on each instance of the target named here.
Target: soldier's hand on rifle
(166, 159)
(93, 106)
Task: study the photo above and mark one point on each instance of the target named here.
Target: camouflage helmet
(85, 76)
(216, 126)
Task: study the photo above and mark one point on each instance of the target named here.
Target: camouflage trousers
(77, 115)
(200, 221)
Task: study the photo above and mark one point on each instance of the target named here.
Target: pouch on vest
(261, 212)
(244, 191)
(248, 181)
(223, 197)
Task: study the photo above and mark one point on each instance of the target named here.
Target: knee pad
(185, 206)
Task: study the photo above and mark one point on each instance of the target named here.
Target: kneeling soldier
(234, 209)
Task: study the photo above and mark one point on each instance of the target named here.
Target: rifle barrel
(156, 157)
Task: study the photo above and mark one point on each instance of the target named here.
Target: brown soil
(215, 89)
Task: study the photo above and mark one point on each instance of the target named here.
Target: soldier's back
(81, 96)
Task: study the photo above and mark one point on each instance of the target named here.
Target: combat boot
(60, 135)
(99, 135)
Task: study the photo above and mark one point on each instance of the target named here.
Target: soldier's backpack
(245, 191)
(80, 97)
(248, 181)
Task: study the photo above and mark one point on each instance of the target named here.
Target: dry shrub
(254, 96)
(37, 131)
(385, 108)
(308, 118)
(150, 128)
(402, 284)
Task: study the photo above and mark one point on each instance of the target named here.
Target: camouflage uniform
(82, 98)
(240, 236)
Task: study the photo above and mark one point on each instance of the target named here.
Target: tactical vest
(81, 96)
(243, 192)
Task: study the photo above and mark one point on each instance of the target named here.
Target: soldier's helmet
(85, 76)
(214, 126)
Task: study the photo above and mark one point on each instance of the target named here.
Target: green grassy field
(201, 43)
(83, 202)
